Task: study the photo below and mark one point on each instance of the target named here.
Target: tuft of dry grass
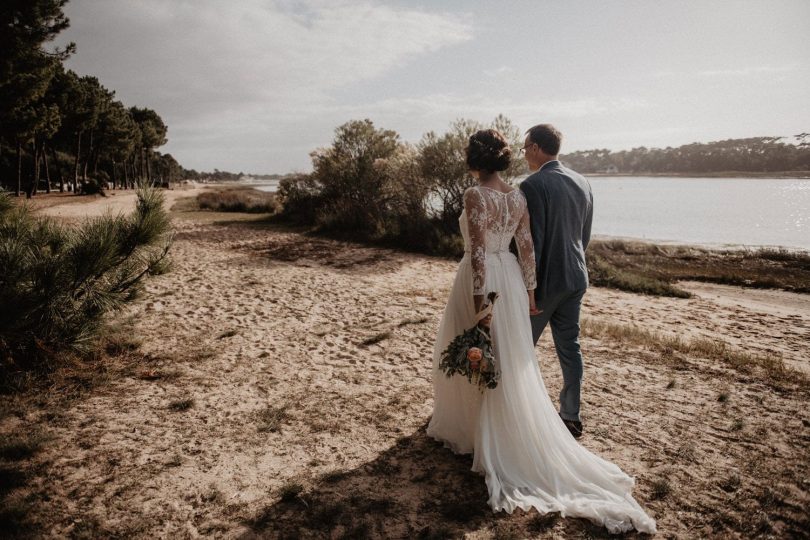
(376, 338)
(661, 488)
(147, 374)
(771, 365)
(120, 343)
(291, 491)
(181, 405)
(732, 483)
(272, 418)
(227, 334)
(416, 320)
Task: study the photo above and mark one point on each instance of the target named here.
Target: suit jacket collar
(553, 164)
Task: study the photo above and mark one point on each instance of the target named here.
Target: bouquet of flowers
(470, 353)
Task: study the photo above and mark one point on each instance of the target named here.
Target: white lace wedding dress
(513, 431)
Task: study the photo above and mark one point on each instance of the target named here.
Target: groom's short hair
(547, 137)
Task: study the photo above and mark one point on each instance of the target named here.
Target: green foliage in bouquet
(456, 357)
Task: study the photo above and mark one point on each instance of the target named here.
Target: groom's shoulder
(565, 169)
(534, 180)
(581, 180)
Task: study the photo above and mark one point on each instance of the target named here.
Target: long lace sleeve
(476, 210)
(525, 246)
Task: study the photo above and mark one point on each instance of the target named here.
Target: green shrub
(58, 282)
(300, 198)
(92, 186)
(354, 194)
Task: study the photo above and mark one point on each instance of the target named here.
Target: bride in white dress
(517, 439)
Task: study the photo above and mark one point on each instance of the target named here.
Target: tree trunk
(44, 155)
(76, 161)
(126, 175)
(19, 168)
(87, 158)
(34, 178)
(58, 170)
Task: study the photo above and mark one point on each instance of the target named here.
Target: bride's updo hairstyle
(488, 151)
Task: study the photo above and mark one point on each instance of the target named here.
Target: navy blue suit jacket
(561, 212)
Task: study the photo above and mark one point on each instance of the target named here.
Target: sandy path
(263, 329)
(69, 206)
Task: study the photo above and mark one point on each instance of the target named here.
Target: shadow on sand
(416, 489)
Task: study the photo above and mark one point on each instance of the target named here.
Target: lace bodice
(489, 221)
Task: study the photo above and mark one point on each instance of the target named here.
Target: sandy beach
(283, 387)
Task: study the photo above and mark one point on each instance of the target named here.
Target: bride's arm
(525, 246)
(477, 227)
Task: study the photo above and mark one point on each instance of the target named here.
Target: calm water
(714, 211)
(710, 211)
(270, 185)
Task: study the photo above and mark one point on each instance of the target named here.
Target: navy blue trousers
(562, 311)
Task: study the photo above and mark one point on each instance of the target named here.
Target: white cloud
(254, 51)
(484, 107)
(745, 71)
(499, 72)
(210, 67)
(749, 71)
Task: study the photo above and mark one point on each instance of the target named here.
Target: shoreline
(781, 175)
(709, 246)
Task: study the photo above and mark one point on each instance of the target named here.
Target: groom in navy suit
(560, 211)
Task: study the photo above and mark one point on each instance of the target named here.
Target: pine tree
(57, 282)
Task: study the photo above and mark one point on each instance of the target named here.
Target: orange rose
(474, 354)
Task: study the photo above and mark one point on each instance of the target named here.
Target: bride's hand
(486, 322)
(480, 303)
(533, 304)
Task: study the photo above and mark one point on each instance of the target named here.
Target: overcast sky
(255, 85)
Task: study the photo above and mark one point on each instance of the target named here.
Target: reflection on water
(737, 211)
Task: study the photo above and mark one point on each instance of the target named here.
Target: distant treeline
(751, 155)
(57, 128)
